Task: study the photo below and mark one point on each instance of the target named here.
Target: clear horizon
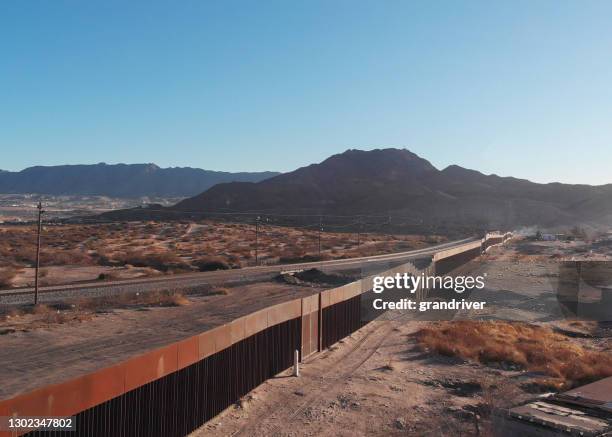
(518, 89)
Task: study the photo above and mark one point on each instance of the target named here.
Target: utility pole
(257, 240)
(40, 213)
(359, 233)
(320, 229)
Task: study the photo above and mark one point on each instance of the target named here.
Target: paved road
(369, 265)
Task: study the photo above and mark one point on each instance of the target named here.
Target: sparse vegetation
(84, 309)
(206, 264)
(153, 298)
(43, 314)
(6, 277)
(518, 345)
(103, 250)
(161, 261)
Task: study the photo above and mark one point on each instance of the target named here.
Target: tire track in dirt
(269, 423)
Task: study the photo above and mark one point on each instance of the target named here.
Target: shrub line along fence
(175, 389)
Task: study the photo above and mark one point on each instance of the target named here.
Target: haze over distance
(278, 85)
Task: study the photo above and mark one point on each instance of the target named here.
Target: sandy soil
(73, 274)
(377, 382)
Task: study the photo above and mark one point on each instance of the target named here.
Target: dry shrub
(153, 298)
(209, 263)
(58, 257)
(174, 299)
(9, 311)
(42, 309)
(108, 276)
(46, 314)
(529, 347)
(6, 277)
(162, 261)
(56, 317)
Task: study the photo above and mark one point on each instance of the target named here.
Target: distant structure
(583, 411)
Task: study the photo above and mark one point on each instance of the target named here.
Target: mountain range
(119, 180)
(398, 183)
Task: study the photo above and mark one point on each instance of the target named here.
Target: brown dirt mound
(316, 276)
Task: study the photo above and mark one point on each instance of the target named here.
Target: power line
(257, 241)
(40, 213)
(252, 213)
(320, 230)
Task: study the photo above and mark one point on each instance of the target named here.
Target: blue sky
(520, 88)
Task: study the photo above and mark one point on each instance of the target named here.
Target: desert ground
(80, 252)
(439, 378)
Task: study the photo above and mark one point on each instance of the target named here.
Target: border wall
(173, 390)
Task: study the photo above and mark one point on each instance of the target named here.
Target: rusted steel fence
(341, 320)
(175, 389)
(177, 404)
(449, 260)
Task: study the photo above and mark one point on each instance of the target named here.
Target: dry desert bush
(32, 316)
(167, 298)
(162, 261)
(208, 263)
(40, 314)
(6, 276)
(535, 348)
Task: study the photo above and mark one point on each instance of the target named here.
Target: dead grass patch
(161, 261)
(42, 314)
(25, 317)
(219, 291)
(530, 347)
(153, 298)
(210, 263)
(6, 277)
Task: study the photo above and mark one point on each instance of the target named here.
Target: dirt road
(373, 383)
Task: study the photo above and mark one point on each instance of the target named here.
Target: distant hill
(401, 184)
(405, 187)
(119, 180)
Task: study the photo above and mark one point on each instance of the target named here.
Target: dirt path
(372, 383)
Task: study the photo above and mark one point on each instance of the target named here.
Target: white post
(296, 363)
